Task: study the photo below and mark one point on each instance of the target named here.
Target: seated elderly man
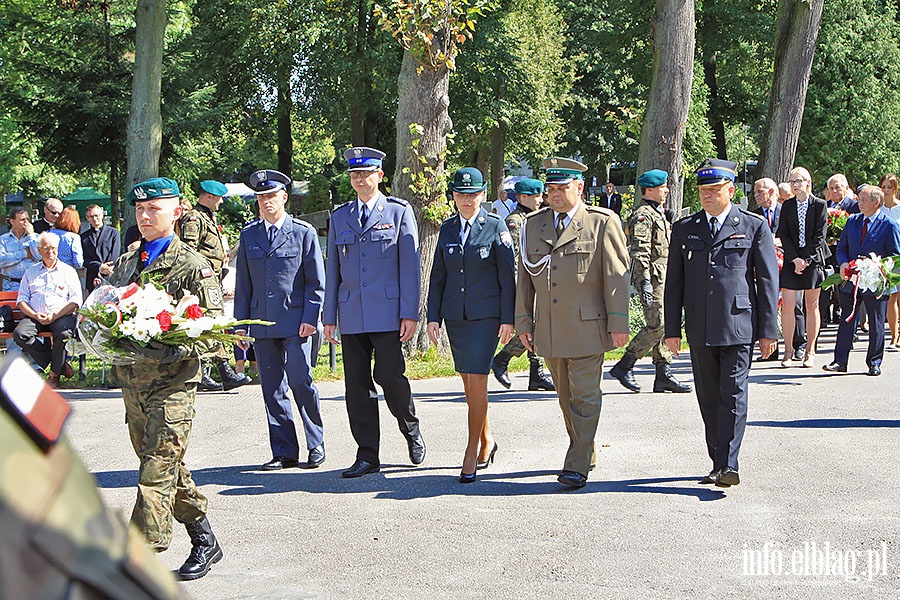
(49, 295)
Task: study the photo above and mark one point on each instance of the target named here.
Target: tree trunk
(498, 162)
(795, 42)
(283, 114)
(114, 194)
(714, 112)
(423, 100)
(662, 132)
(145, 121)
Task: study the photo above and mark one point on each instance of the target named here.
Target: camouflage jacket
(198, 229)
(648, 234)
(514, 223)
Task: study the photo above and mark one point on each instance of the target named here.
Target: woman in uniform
(473, 291)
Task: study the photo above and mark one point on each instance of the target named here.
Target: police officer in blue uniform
(280, 277)
(372, 296)
(723, 272)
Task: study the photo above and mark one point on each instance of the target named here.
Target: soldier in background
(59, 540)
(648, 233)
(160, 387)
(529, 195)
(199, 230)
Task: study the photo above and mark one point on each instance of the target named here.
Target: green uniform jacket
(514, 223)
(648, 234)
(198, 229)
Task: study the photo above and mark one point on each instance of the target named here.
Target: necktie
(865, 230)
(769, 217)
(465, 235)
(272, 231)
(801, 216)
(363, 216)
(560, 225)
(713, 226)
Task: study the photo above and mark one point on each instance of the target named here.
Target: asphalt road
(816, 514)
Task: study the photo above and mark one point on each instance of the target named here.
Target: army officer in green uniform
(160, 387)
(199, 230)
(648, 233)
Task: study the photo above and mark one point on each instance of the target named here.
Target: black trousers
(389, 373)
(721, 376)
(26, 336)
(877, 308)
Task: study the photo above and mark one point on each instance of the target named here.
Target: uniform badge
(506, 239)
(215, 296)
(357, 152)
(206, 272)
(140, 193)
(467, 177)
(484, 252)
(450, 250)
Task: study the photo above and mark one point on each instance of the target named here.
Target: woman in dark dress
(473, 291)
(802, 230)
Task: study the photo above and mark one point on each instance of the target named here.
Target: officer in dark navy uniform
(372, 296)
(280, 277)
(723, 272)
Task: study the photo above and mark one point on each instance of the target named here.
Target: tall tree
(665, 119)
(430, 32)
(795, 43)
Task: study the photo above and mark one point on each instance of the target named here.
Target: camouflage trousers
(515, 347)
(159, 421)
(652, 334)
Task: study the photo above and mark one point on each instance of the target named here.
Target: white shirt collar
(370, 205)
(277, 224)
(720, 219)
(570, 214)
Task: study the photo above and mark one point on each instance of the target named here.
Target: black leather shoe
(667, 382)
(490, 458)
(711, 478)
(727, 477)
(316, 456)
(416, 449)
(499, 368)
(622, 371)
(573, 479)
(207, 383)
(280, 462)
(835, 367)
(874, 371)
(205, 551)
(467, 477)
(360, 468)
(539, 379)
(230, 379)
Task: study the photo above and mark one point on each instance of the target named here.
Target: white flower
(194, 328)
(187, 300)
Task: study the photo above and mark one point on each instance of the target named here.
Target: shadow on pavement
(828, 423)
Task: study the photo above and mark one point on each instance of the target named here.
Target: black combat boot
(622, 372)
(229, 378)
(499, 366)
(205, 550)
(539, 379)
(207, 383)
(666, 382)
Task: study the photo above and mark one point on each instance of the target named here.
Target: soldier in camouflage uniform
(648, 233)
(199, 230)
(59, 540)
(160, 387)
(528, 194)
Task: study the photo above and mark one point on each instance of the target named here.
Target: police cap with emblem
(213, 187)
(714, 171)
(530, 187)
(363, 159)
(265, 181)
(468, 181)
(563, 170)
(153, 189)
(653, 178)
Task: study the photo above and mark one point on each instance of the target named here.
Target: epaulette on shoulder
(301, 222)
(250, 224)
(540, 211)
(191, 216)
(599, 209)
(751, 214)
(493, 216)
(396, 200)
(689, 217)
(340, 206)
(450, 218)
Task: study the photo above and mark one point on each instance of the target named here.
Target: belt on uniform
(16, 279)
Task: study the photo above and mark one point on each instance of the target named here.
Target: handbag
(7, 320)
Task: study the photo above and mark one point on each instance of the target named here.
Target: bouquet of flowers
(837, 218)
(145, 315)
(869, 274)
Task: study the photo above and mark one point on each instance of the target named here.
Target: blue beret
(211, 186)
(653, 178)
(152, 189)
(530, 187)
(265, 181)
(468, 181)
(363, 159)
(714, 171)
(563, 170)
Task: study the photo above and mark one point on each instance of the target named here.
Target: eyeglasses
(796, 181)
(52, 212)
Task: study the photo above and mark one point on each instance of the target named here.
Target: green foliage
(232, 215)
(319, 197)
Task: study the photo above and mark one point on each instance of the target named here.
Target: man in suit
(648, 233)
(841, 194)
(101, 245)
(724, 275)
(52, 209)
(372, 294)
(280, 277)
(572, 302)
(611, 200)
(867, 232)
(765, 192)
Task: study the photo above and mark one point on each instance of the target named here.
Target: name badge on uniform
(484, 252)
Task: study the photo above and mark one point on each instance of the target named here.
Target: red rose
(165, 320)
(144, 256)
(193, 311)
